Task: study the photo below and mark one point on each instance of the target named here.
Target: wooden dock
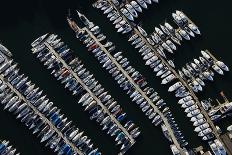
(78, 80)
(74, 148)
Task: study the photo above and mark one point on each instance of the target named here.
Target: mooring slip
(137, 88)
(74, 148)
(91, 93)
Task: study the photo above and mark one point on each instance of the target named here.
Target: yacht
(142, 31)
(5, 51)
(131, 10)
(142, 4)
(136, 6)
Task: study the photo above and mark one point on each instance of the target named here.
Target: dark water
(22, 22)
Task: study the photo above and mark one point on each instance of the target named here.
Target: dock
(174, 72)
(132, 140)
(137, 87)
(74, 148)
(211, 55)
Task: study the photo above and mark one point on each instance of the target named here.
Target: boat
(229, 128)
(131, 10)
(142, 3)
(222, 65)
(184, 34)
(217, 69)
(127, 14)
(136, 6)
(175, 86)
(5, 51)
(148, 1)
(194, 28)
(142, 31)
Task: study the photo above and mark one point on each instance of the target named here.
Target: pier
(74, 148)
(137, 88)
(132, 140)
(174, 72)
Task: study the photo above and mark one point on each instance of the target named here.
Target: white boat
(206, 104)
(215, 117)
(201, 127)
(5, 51)
(168, 79)
(199, 122)
(169, 27)
(156, 1)
(197, 117)
(147, 1)
(205, 132)
(185, 99)
(171, 45)
(108, 10)
(215, 148)
(205, 55)
(213, 112)
(220, 147)
(191, 108)
(127, 14)
(133, 37)
(184, 34)
(227, 107)
(193, 113)
(136, 6)
(218, 69)
(175, 86)
(166, 47)
(36, 42)
(229, 128)
(142, 31)
(142, 3)
(131, 10)
(158, 67)
(194, 28)
(222, 65)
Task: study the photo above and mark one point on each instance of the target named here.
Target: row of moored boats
(5, 149)
(105, 110)
(21, 97)
(135, 84)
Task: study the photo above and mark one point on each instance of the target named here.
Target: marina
(33, 109)
(172, 131)
(114, 114)
(142, 90)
